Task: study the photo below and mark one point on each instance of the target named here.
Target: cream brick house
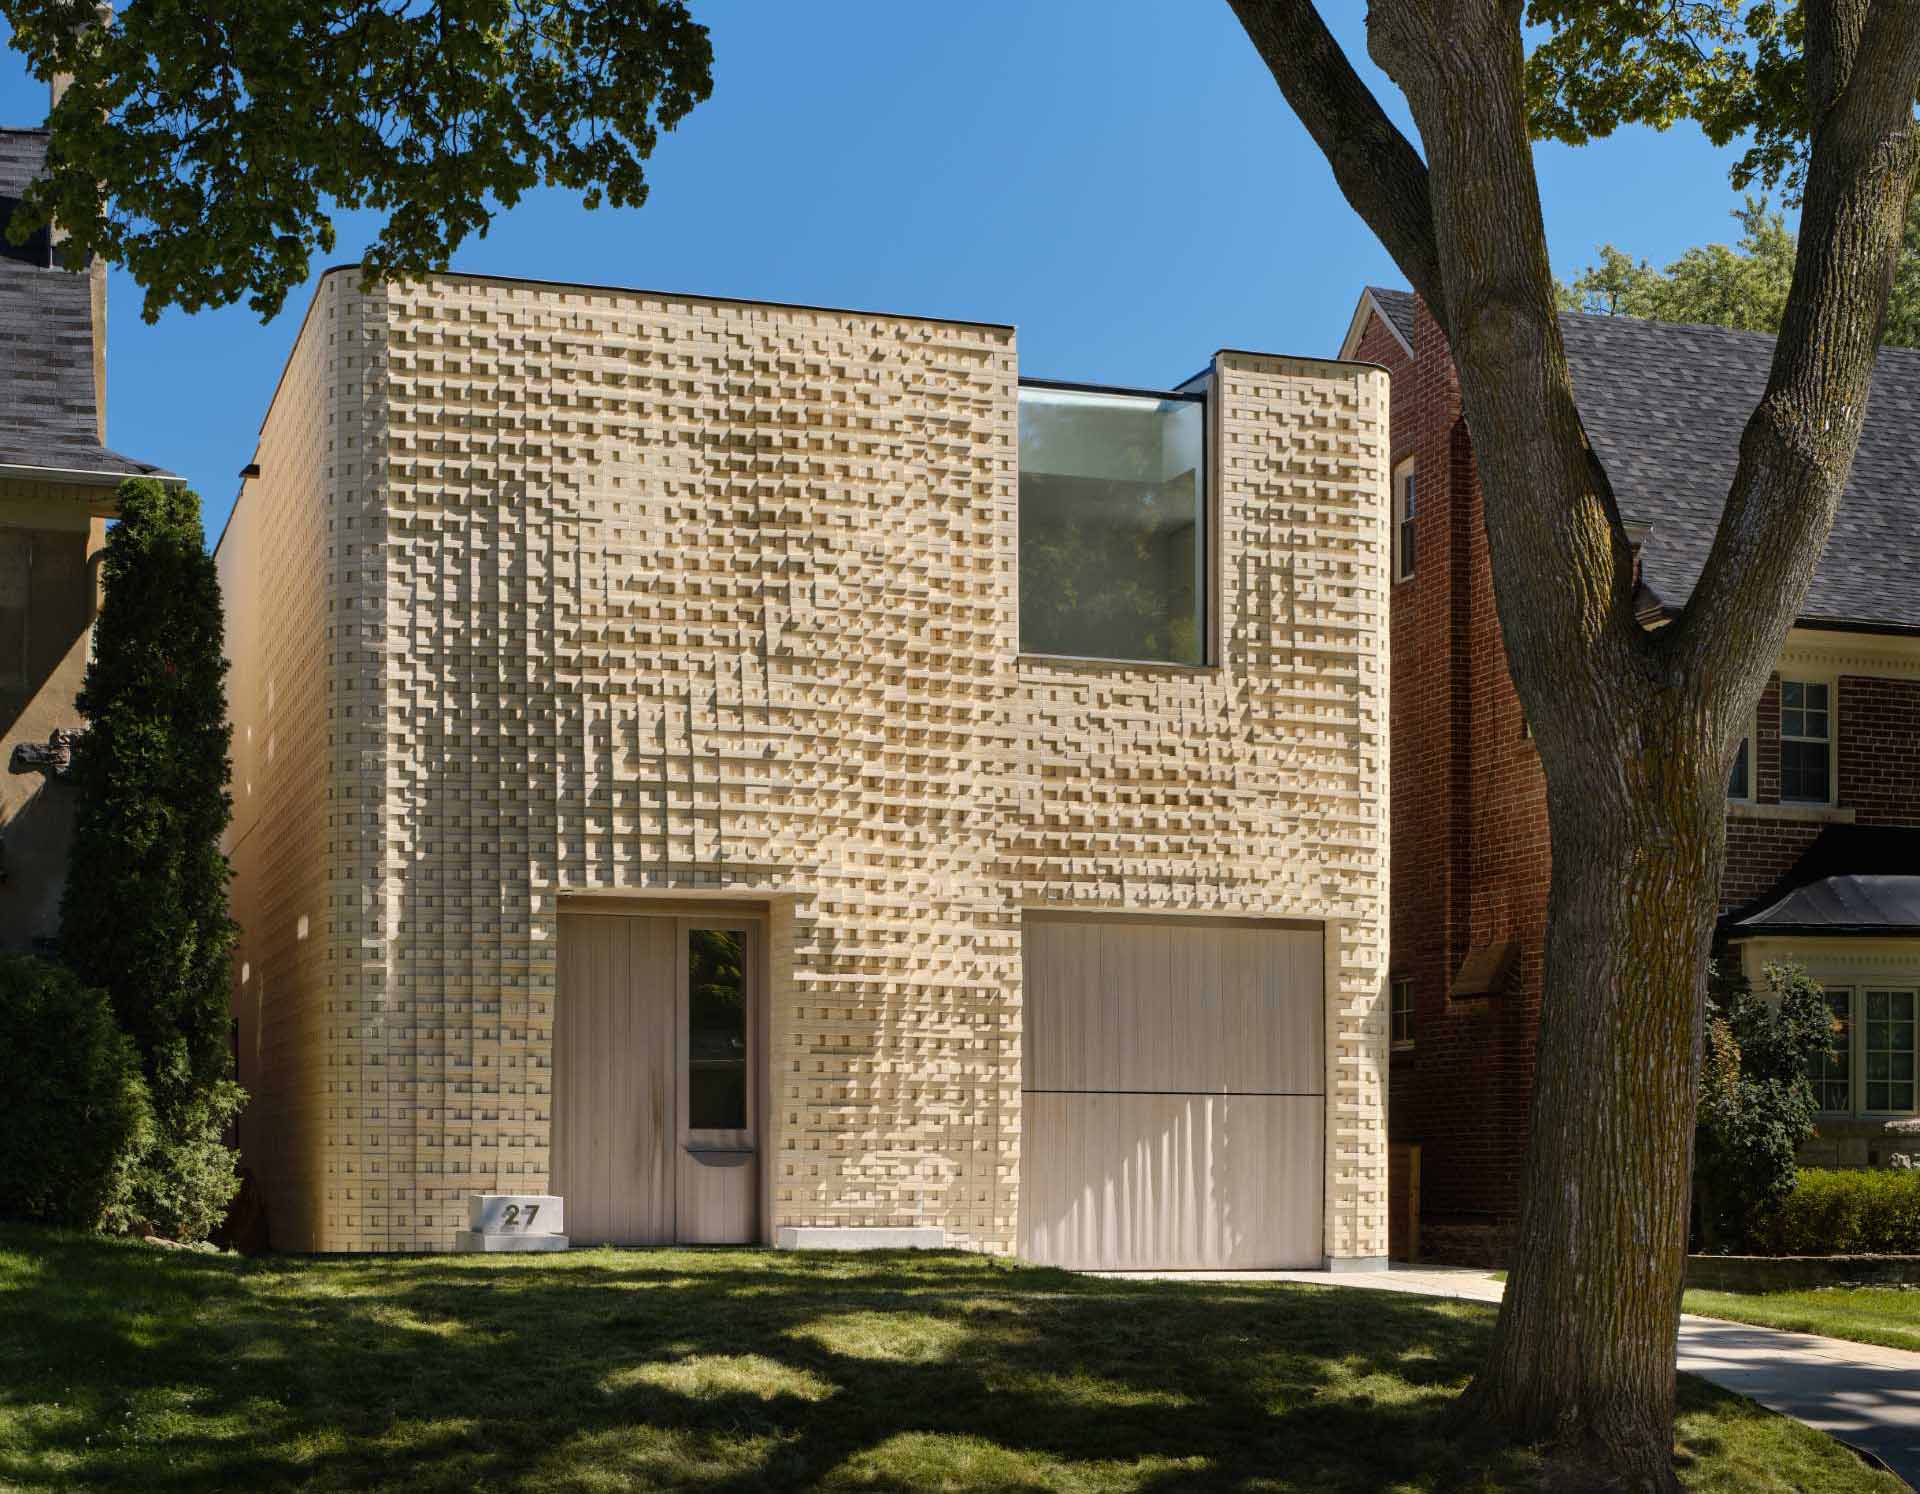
(754, 768)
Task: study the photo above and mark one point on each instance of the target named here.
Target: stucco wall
(50, 541)
(637, 594)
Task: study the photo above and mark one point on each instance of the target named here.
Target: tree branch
(1377, 168)
(1561, 562)
(1863, 66)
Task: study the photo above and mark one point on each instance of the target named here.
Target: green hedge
(1870, 1212)
(78, 1117)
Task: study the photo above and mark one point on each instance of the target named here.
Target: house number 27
(512, 1220)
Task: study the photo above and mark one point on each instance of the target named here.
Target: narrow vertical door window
(716, 1031)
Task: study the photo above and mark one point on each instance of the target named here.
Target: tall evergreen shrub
(145, 913)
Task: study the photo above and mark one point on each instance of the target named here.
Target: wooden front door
(655, 1108)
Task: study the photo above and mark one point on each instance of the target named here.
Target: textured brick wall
(308, 1132)
(643, 594)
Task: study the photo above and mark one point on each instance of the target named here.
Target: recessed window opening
(1113, 553)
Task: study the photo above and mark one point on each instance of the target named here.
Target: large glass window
(1113, 555)
(716, 1031)
(1806, 742)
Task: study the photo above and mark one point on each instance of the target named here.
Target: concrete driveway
(1862, 1394)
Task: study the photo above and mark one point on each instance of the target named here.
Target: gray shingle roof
(1398, 306)
(1665, 405)
(47, 408)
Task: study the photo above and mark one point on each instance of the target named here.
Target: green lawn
(127, 1367)
(1867, 1315)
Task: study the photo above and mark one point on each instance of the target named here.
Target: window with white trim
(1806, 742)
(1872, 1068)
(1401, 992)
(1404, 530)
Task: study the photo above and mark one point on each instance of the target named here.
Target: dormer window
(1403, 516)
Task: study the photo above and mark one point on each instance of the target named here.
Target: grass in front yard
(1889, 1316)
(127, 1367)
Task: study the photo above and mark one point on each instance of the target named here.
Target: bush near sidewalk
(1845, 1212)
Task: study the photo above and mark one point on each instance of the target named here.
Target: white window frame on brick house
(1831, 714)
(1400, 1012)
(1406, 506)
(1856, 1050)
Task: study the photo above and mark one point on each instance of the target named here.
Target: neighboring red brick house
(1823, 833)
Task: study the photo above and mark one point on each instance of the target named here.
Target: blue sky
(1119, 178)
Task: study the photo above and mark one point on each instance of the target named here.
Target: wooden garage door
(1174, 1098)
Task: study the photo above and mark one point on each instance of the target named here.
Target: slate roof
(1853, 879)
(1665, 404)
(47, 410)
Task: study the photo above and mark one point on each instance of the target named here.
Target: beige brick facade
(553, 591)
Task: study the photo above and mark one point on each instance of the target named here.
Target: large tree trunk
(1583, 1355)
(1636, 729)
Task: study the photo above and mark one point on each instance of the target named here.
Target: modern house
(57, 483)
(768, 773)
(1823, 806)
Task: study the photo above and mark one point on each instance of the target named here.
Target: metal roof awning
(1854, 880)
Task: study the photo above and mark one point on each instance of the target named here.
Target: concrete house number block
(513, 1221)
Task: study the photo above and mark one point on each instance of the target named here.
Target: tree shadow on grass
(720, 1370)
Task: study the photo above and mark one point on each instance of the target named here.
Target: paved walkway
(1860, 1393)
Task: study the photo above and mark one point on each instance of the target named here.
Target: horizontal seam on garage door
(1257, 1094)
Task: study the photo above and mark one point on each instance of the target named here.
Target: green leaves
(204, 146)
(1734, 67)
(1743, 286)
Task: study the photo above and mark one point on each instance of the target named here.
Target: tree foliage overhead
(1743, 286)
(1736, 68)
(205, 146)
(145, 912)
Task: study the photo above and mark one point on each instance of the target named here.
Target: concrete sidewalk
(1860, 1393)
